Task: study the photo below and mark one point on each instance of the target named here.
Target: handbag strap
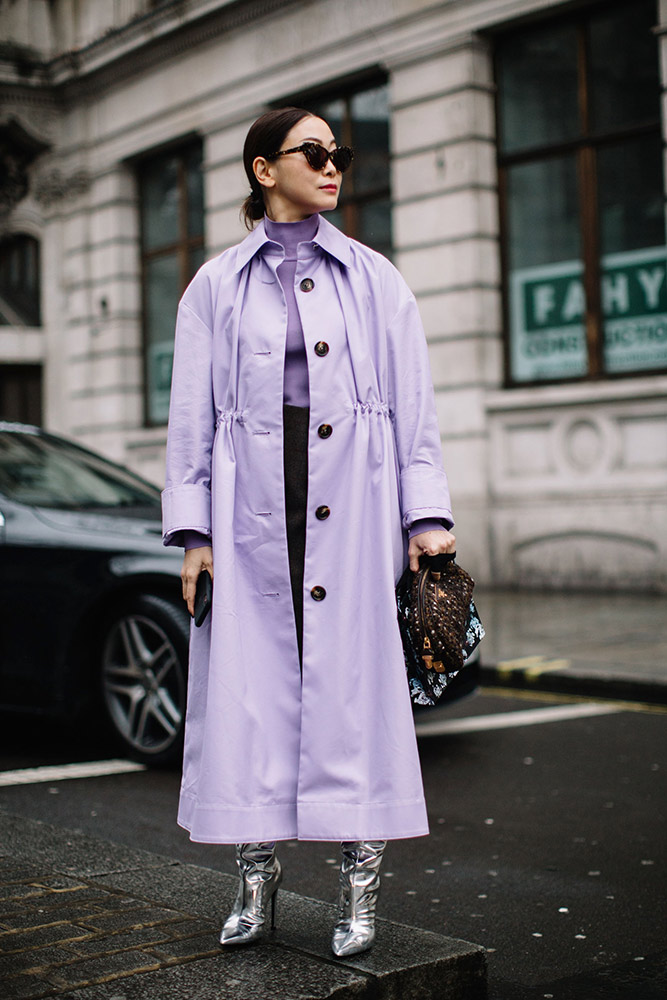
(437, 563)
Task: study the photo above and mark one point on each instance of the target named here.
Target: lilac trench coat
(269, 754)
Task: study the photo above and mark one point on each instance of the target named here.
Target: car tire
(143, 678)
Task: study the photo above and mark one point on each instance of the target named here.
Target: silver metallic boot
(359, 890)
(261, 875)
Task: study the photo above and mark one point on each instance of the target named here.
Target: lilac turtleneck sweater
(295, 379)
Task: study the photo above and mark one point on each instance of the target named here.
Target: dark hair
(265, 137)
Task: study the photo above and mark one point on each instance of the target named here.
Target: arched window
(19, 281)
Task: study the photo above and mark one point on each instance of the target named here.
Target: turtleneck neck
(290, 234)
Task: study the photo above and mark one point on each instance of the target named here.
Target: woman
(303, 448)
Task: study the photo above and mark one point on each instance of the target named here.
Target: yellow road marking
(530, 666)
(557, 696)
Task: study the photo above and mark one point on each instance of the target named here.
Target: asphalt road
(547, 840)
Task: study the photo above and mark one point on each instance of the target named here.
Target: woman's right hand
(194, 561)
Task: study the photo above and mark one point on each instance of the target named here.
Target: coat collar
(327, 237)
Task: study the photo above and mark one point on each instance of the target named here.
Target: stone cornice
(143, 42)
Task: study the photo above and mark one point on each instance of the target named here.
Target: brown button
(325, 430)
(321, 349)
(307, 285)
(322, 513)
(318, 593)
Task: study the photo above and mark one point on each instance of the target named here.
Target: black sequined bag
(439, 624)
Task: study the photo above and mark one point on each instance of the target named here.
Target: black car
(91, 614)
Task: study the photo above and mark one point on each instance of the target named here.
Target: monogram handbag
(439, 624)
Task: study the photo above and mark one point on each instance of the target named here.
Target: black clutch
(203, 597)
(439, 624)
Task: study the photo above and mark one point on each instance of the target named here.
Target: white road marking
(63, 772)
(508, 720)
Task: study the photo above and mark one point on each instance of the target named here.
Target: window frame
(585, 148)
(183, 247)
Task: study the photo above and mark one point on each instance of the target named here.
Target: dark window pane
(335, 218)
(21, 393)
(374, 225)
(172, 238)
(631, 195)
(195, 192)
(546, 292)
(632, 238)
(163, 290)
(160, 203)
(537, 86)
(195, 260)
(369, 113)
(543, 212)
(334, 114)
(623, 72)
(19, 282)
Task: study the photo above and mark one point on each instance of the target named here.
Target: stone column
(446, 239)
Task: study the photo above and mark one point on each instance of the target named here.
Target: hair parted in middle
(265, 136)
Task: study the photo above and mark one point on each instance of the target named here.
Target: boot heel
(274, 897)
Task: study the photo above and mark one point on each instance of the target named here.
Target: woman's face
(292, 189)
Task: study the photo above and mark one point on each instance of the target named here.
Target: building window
(21, 393)
(19, 281)
(360, 118)
(582, 195)
(172, 248)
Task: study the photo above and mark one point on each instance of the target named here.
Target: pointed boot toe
(352, 941)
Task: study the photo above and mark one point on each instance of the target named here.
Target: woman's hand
(430, 543)
(194, 561)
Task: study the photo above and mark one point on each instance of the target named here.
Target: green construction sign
(547, 309)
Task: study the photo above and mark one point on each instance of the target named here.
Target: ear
(263, 170)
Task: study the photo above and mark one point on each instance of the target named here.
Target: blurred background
(510, 160)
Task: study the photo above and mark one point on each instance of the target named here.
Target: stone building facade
(510, 159)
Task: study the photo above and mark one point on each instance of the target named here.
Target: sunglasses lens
(342, 158)
(315, 155)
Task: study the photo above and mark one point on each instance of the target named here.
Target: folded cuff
(185, 508)
(425, 494)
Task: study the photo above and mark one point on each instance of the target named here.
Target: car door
(38, 575)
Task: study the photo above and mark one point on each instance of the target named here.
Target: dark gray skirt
(295, 452)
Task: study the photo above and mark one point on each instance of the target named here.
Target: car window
(43, 471)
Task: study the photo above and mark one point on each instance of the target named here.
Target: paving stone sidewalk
(91, 920)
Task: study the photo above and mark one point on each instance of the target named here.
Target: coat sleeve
(186, 499)
(423, 482)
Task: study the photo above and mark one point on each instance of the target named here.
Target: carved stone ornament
(13, 177)
(18, 149)
(53, 186)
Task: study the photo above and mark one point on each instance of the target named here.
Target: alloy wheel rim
(143, 684)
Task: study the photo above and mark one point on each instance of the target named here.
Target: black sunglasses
(317, 155)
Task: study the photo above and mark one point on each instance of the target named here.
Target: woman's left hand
(430, 543)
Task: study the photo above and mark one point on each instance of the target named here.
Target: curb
(616, 687)
(88, 919)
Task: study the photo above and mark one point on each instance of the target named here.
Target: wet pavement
(606, 645)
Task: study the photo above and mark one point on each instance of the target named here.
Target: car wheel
(144, 665)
